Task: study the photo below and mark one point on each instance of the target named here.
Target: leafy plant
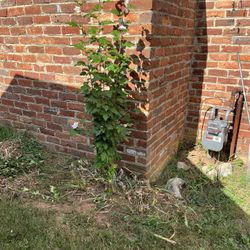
(106, 69)
(54, 193)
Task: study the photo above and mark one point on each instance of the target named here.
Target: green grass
(31, 154)
(27, 228)
(213, 215)
(221, 209)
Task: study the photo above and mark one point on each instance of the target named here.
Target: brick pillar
(171, 53)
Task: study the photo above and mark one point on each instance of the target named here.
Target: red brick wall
(222, 29)
(185, 61)
(38, 80)
(172, 39)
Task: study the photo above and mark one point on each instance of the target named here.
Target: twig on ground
(159, 210)
(169, 240)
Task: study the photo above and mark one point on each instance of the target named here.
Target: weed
(238, 162)
(54, 193)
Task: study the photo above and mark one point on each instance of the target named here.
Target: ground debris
(183, 165)
(10, 149)
(225, 169)
(174, 187)
(210, 171)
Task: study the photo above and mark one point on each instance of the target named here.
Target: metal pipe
(246, 106)
(243, 88)
(248, 162)
(236, 126)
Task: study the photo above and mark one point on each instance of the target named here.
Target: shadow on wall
(47, 110)
(198, 67)
(206, 88)
(173, 32)
(217, 221)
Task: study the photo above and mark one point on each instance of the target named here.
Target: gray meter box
(216, 134)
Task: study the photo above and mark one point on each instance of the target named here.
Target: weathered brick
(52, 30)
(41, 19)
(32, 10)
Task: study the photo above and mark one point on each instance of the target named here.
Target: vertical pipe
(246, 106)
(236, 126)
(243, 88)
(248, 162)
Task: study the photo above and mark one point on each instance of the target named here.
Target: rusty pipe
(236, 124)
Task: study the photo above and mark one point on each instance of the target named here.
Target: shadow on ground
(219, 209)
(213, 214)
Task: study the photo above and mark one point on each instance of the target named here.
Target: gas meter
(216, 134)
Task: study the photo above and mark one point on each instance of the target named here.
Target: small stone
(183, 165)
(225, 169)
(174, 187)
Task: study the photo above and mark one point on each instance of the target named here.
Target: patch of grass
(213, 214)
(28, 228)
(29, 157)
(237, 162)
(237, 188)
(220, 218)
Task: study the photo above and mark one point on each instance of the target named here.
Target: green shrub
(106, 69)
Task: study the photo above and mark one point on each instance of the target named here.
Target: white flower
(122, 27)
(75, 125)
(77, 9)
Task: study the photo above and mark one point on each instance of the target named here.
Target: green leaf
(81, 45)
(116, 33)
(103, 41)
(116, 12)
(112, 67)
(97, 7)
(80, 63)
(85, 88)
(106, 23)
(128, 44)
(74, 132)
(105, 117)
(92, 30)
(73, 24)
